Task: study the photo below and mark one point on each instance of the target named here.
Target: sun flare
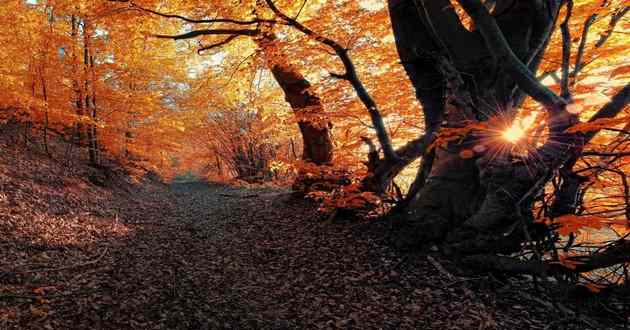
(513, 134)
(519, 128)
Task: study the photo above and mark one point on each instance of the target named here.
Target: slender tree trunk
(46, 119)
(78, 89)
(90, 93)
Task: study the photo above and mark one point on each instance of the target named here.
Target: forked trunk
(471, 192)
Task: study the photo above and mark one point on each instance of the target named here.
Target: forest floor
(204, 256)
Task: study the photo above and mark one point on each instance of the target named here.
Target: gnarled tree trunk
(478, 193)
(472, 191)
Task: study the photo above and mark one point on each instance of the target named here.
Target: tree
(475, 191)
(64, 56)
(309, 112)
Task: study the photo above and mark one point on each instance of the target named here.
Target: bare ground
(204, 256)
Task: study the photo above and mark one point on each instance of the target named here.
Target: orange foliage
(163, 106)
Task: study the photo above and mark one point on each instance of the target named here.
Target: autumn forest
(289, 164)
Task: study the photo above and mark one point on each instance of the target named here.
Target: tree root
(616, 253)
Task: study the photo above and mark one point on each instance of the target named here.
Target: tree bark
(381, 172)
(468, 195)
(478, 195)
(301, 96)
(90, 94)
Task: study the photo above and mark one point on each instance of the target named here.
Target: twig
(87, 263)
(441, 269)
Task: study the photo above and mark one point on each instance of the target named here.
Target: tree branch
(500, 49)
(383, 172)
(615, 254)
(545, 20)
(580, 54)
(193, 20)
(566, 196)
(197, 33)
(606, 154)
(444, 25)
(618, 102)
(217, 44)
(352, 76)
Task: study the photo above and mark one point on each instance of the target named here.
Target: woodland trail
(202, 256)
(226, 257)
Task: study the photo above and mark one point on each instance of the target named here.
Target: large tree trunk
(469, 192)
(478, 193)
(301, 96)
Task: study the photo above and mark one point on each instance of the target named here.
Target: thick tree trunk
(466, 195)
(478, 196)
(306, 105)
(448, 197)
(418, 54)
(316, 137)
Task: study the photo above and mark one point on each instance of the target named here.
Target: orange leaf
(594, 288)
(466, 154)
(622, 70)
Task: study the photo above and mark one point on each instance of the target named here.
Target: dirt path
(210, 257)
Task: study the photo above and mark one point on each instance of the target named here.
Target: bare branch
(384, 171)
(341, 76)
(580, 54)
(606, 154)
(545, 20)
(626, 191)
(193, 20)
(572, 183)
(217, 44)
(615, 254)
(197, 33)
(611, 109)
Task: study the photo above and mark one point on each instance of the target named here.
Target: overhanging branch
(500, 49)
(618, 102)
(611, 27)
(194, 20)
(217, 44)
(350, 75)
(197, 33)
